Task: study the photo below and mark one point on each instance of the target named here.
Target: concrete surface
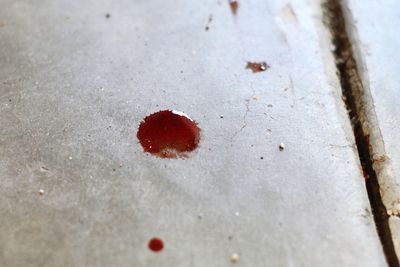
(74, 87)
(375, 30)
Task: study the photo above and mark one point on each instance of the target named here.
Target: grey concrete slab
(375, 26)
(75, 86)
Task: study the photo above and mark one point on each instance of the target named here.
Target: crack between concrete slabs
(352, 90)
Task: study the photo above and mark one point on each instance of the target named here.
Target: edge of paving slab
(353, 76)
(389, 188)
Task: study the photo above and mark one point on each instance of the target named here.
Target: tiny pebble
(237, 213)
(221, 116)
(281, 146)
(234, 258)
(256, 97)
(41, 192)
(70, 158)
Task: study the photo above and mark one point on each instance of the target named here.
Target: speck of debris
(221, 116)
(210, 18)
(281, 146)
(200, 216)
(257, 66)
(41, 192)
(70, 158)
(234, 257)
(270, 105)
(9, 100)
(108, 16)
(256, 97)
(237, 213)
(43, 168)
(261, 157)
(114, 170)
(234, 6)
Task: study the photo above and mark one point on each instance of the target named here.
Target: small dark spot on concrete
(9, 100)
(281, 146)
(108, 16)
(114, 170)
(230, 237)
(257, 66)
(210, 18)
(270, 105)
(261, 157)
(234, 6)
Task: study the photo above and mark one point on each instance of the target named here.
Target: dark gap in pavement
(352, 90)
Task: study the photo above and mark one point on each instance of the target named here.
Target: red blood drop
(168, 134)
(156, 244)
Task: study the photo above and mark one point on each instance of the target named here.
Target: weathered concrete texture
(374, 26)
(74, 87)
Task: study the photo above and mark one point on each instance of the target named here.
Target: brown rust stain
(234, 4)
(257, 66)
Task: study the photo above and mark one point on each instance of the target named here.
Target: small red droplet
(156, 244)
(168, 134)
